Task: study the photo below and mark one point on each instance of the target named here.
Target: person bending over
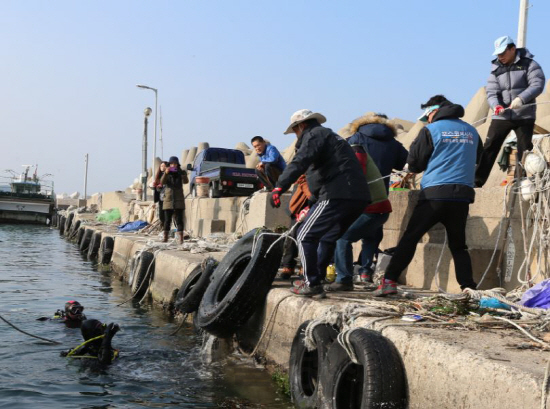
(97, 343)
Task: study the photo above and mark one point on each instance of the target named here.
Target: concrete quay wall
(445, 369)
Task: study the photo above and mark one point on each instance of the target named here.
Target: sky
(226, 71)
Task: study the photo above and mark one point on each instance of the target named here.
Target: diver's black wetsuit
(99, 348)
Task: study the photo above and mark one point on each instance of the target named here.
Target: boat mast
(522, 25)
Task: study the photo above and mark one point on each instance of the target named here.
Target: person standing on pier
(515, 81)
(446, 150)
(174, 200)
(335, 178)
(271, 163)
(158, 191)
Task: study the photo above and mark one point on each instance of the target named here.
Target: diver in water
(97, 343)
(72, 316)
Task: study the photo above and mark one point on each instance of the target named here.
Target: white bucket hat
(303, 115)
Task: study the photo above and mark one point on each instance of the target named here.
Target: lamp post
(156, 105)
(522, 25)
(147, 112)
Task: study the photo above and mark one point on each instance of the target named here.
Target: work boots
(165, 239)
(180, 236)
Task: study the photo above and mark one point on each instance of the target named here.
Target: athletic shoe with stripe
(306, 291)
(388, 287)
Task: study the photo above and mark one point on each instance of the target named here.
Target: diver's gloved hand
(64, 353)
(112, 329)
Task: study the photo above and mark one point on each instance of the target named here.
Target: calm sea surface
(39, 272)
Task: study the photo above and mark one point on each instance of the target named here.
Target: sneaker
(366, 278)
(388, 287)
(329, 288)
(305, 291)
(298, 283)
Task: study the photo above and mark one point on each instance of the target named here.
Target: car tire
(192, 290)
(86, 239)
(93, 249)
(106, 250)
(305, 366)
(378, 381)
(240, 284)
(142, 266)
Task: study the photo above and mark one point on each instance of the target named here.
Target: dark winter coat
(331, 168)
(378, 138)
(422, 156)
(173, 191)
(523, 78)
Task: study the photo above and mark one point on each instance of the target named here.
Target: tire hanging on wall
(305, 366)
(80, 235)
(54, 220)
(106, 250)
(193, 287)
(68, 223)
(378, 381)
(85, 242)
(239, 284)
(93, 248)
(62, 225)
(142, 266)
(74, 229)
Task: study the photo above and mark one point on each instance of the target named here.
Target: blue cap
(501, 43)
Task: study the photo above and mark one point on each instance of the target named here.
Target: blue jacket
(378, 140)
(272, 156)
(447, 150)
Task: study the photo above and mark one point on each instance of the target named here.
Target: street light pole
(156, 105)
(86, 177)
(147, 112)
(522, 25)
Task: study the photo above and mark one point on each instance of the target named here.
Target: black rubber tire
(304, 366)
(378, 382)
(93, 248)
(192, 290)
(142, 265)
(68, 223)
(80, 235)
(86, 239)
(106, 250)
(74, 230)
(239, 285)
(62, 220)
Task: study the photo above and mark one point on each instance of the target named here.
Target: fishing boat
(26, 199)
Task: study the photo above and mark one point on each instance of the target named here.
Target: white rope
(330, 317)
(523, 330)
(506, 109)
(544, 393)
(477, 294)
(344, 340)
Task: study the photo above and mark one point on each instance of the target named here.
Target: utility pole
(86, 177)
(522, 25)
(146, 112)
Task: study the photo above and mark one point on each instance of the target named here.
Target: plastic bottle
(331, 274)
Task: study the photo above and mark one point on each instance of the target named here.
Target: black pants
(178, 216)
(325, 223)
(427, 214)
(290, 251)
(161, 212)
(498, 131)
(269, 175)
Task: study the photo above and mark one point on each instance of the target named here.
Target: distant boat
(26, 199)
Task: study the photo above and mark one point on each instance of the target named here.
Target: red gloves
(276, 197)
(302, 215)
(499, 109)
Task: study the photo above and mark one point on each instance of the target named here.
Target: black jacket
(379, 141)
(331, 168)
(421, 151)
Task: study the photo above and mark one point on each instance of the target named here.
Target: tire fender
(94, 245)
(193, 287)
(106, 250)
(378, 381)
(305, 366)
(142, 266)
(85, 242)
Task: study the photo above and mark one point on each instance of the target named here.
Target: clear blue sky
(227, 70)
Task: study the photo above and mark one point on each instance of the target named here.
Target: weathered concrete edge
(440, 374)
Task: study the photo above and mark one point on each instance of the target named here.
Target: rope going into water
(26, 333)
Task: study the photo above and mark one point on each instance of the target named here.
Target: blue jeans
(364, 228)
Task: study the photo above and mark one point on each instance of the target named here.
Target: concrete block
(262, 214)
(403, 124)
(183, 158)
(290, 151)
(191, 155)
(477, 108)
(202, 146)
(407, 138)
(252, 160)
(124, 250)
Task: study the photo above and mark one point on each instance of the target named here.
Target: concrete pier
(445, 368)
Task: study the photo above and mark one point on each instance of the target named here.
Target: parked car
(226, 172)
